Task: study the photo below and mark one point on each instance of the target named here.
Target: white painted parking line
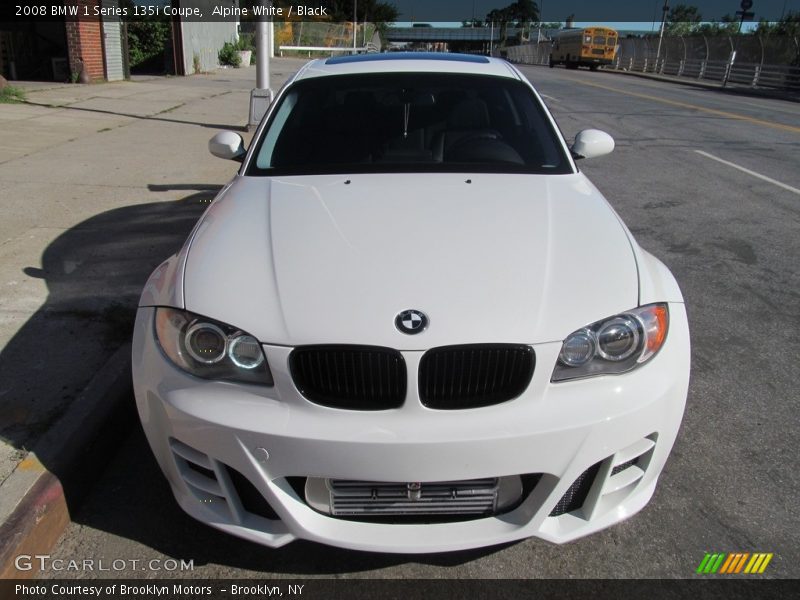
(749, 172)
(548, 97)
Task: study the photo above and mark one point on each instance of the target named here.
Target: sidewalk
(99, 184)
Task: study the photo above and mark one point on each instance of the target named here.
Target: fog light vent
(623, 466)
(575, 496)
(251, 499)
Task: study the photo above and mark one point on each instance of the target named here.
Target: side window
(265, 158)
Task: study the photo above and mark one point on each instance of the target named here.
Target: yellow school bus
(588, 47)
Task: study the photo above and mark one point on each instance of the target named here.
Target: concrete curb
(708, 85)
(656, 77)
(36, 499)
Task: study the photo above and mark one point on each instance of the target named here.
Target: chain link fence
(750, 60)
(324, 35)
(312, 34)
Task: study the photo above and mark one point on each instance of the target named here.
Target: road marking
(712, 111)
(548, 97)
(749, 172)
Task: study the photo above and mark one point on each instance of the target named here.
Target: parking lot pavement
(100, 183)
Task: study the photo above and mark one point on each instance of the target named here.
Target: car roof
(414, 62)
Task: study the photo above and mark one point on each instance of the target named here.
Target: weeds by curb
(11, 95)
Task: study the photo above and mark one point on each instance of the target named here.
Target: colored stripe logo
(734, 563)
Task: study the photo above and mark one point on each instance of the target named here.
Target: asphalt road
(710, 183)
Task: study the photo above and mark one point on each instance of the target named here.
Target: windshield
(408, 122)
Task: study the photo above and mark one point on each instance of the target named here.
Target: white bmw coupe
(410, 323)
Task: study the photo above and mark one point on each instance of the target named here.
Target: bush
(246, 42)
(229, 55)
(146, 40)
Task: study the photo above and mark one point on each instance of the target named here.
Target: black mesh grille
(624, 466)
(454, 377)
(575, 496)
(354, 377)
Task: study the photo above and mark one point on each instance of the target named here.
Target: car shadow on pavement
(94, 273)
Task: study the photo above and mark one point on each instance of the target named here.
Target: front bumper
(207, 434)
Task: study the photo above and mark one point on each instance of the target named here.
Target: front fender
(656, 282)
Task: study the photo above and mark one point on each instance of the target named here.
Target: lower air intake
(575, 496)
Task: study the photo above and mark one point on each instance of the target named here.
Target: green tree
(727, 25)
(789, 25)
(525, 12)
(373, 11)
(683, 19)
(517, 14)
(369, 10)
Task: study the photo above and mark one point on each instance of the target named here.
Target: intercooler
(471, 497)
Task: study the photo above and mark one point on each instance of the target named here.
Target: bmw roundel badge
(411, 321)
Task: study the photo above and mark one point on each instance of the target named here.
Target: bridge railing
(747, 60)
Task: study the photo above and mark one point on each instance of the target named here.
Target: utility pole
(355, 23)
(272, 39)
(261, 96)
(661, 34)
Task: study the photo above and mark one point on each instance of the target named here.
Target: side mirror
(227, 145)
(590, 143)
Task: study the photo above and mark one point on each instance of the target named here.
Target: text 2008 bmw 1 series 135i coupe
(410, 323)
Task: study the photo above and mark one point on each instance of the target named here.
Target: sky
(640, 12)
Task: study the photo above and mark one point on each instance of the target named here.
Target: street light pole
(661, 34)
(261, 96)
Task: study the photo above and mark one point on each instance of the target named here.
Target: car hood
(333, 259)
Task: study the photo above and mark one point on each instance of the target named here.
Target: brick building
(62, 48)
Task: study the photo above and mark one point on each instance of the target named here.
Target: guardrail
(369, 48)
(772, 63)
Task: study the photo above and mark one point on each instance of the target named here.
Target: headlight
(210, 349)
(614, 345)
